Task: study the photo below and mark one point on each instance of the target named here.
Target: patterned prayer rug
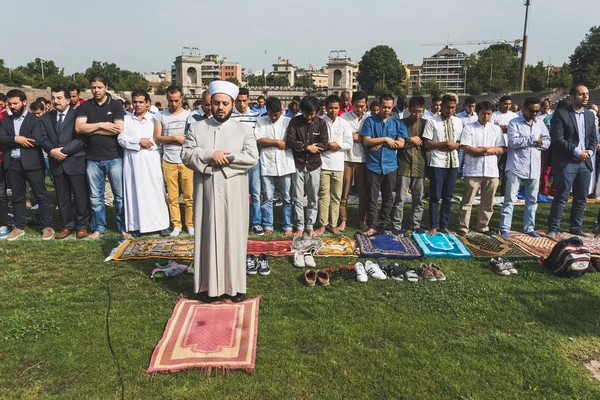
(387, 245)
(340, 246)
(219, 336)
(441, 245)
(179, 249)
(485, 246)
(272, 248)
(539, 247)
(307, 244)
(591, 243)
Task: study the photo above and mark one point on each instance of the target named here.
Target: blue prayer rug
(388, 245)
(441, 245)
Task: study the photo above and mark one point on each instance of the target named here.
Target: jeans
(306, 183)
(510, 196)
(441, 189)
(575, 176)
(96, 172)
(461, 160)
(285, 191)
(254, 185)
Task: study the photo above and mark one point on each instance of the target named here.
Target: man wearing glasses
(526, 139)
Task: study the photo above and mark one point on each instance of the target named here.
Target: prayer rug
(591, 243)
(539, 247)
(340, 246)
(272, 248)
(220, 336)
(386, 244)
(306, 244)
(441, 245)
(179, 249)
(485, 246)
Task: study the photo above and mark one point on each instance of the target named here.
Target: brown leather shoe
(62, 234)
(323, 277)
(310, 277)
(81, 233)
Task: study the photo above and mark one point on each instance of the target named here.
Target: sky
(147, 35)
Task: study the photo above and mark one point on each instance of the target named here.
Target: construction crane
(474, 42)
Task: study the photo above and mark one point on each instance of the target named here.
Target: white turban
(223, 87)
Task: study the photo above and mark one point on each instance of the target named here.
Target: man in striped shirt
(242, 113)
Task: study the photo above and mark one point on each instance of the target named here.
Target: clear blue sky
(147, 35)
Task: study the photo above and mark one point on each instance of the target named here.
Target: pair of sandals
(311, 277)
(398, 272)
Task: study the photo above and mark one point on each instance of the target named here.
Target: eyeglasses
(534, 111)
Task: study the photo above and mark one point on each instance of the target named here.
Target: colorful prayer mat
(591, 243)
(307, 244)
(219, 336)
(272, 248)
(539, 247)
(441, 245)
(172, 248)
(485, 246)
(387, 245)
(340, 246)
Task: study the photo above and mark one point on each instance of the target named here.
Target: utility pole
(524, 50)
(42, 63)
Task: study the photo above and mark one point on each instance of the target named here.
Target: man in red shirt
(346, 104)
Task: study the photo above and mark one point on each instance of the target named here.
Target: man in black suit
(573, 145)
(21, 133)
(66, 155)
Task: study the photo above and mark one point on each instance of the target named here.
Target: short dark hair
(37, 105)
(48, 102)
(470, 100)
(185, 103)
(74, 88)
(197, 103)
(140, 93)
(158, 104)
(435, 99)
(531, 100)
(484, 106)
(564, 103)
(447, 98)
(332, 99)
(504, 98)
(385, 97)
(2, 97)
(60, 89)
(41, 99)
(359, 95)
(99, 78)
(374, 103)
(416, 101)
(259, 97)
(297, 98)
(545, 101)
(573, 90)
(174, 89)
(126, 103)
(273, 104)
(401, 100)
(309, 104)
(16, 93)
(244, 92)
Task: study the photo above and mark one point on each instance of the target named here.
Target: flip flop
(411, 275)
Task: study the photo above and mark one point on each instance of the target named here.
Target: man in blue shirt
(382, 135)
(260, 108)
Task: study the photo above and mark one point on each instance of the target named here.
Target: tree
(562, 79)
(474, 88)
(496, 69)
(34, 68)
(380, 64)
(380, 88)
(118, 79)
(585, 60)
(233, 80)
(434, 88)
(277, 80)
(256, 81)
(537, 77)
(304, 81)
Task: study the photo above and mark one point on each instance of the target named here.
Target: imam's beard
(225, 118)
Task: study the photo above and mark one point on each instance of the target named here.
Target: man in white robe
(144, 188)
(220, 152)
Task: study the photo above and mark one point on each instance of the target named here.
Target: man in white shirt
(332, 168)
(501, 118)
(169, 131)
(482, 142)
(436, 106)
(467, 116)
(442, 139)
(354, 161)
(277, 164)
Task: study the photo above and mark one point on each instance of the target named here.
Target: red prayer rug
(219, 336)
(539, 247)
(273, 248)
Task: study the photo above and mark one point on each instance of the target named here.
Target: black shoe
(250, 265)
(263, 265)
(164, 233)
(205, 298)
(580, 233)
(136, 234)
(277, 202)
(258, 230)
(238, 298)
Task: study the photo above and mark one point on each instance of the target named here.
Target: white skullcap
(223, 87)
(154, 110)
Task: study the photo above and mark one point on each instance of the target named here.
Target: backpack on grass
(569, 258)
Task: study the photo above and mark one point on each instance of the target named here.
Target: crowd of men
(312, 156)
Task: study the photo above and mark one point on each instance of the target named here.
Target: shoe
(533, 234)
(238, 298)
(277, 202)
(411, 275)
(3, 232)
(420, 231)
(580, 233)
(505, 234)
(250, 265)
(63, 234)
(263, 265)
(461, 233)
(47, 233)
(426, 273)
(164, 233)
(15, 234)
(176, 232)
(309, 260)
(258, 230)
(374, 271)
(508, 265)
(299, 260)
(205, 298)
(191, 231)
(551, 234)
(361, 274)
(81, 233)
(499, 267)
(95, 235)
(323, 277)
(310, 277)
(437, 272)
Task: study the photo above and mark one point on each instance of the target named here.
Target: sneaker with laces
(374, 271)
(263, 265)
(176, 232)
(3, 232)
(299, 260)
(361, 274)
(437, 272)
(509, 266)
(250, 265)
(258, 230)
(499, 267)
(426, 273)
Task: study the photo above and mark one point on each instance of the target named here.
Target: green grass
(476, 336)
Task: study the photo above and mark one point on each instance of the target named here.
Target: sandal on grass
(397, 271)
(411, 275)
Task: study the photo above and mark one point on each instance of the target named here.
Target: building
(341, 72)
(447, 66)
(230, 70)
(284, 68)
(194, 72)
(414, 76)
(320, 79)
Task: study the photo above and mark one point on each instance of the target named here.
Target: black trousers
(76, 185)
(386, 184)
(17, 176)
(3, 197)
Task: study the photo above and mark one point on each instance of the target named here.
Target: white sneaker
(191, 231)
(374, 270)
(361, 274)
(309, 260)
(176, 232)
(299, 260)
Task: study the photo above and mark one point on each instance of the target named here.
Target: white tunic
(476, 135)
(273, 160)
(357, 153)
(341, 133)
(439, 130)
(143, 185)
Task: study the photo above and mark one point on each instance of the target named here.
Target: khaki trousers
(330, 194)
(486, 208)
(351, 168)
(173, 173)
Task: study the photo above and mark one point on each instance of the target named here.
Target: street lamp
(524, 50)
(42, 64)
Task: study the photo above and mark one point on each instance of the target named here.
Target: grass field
(475, 336)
